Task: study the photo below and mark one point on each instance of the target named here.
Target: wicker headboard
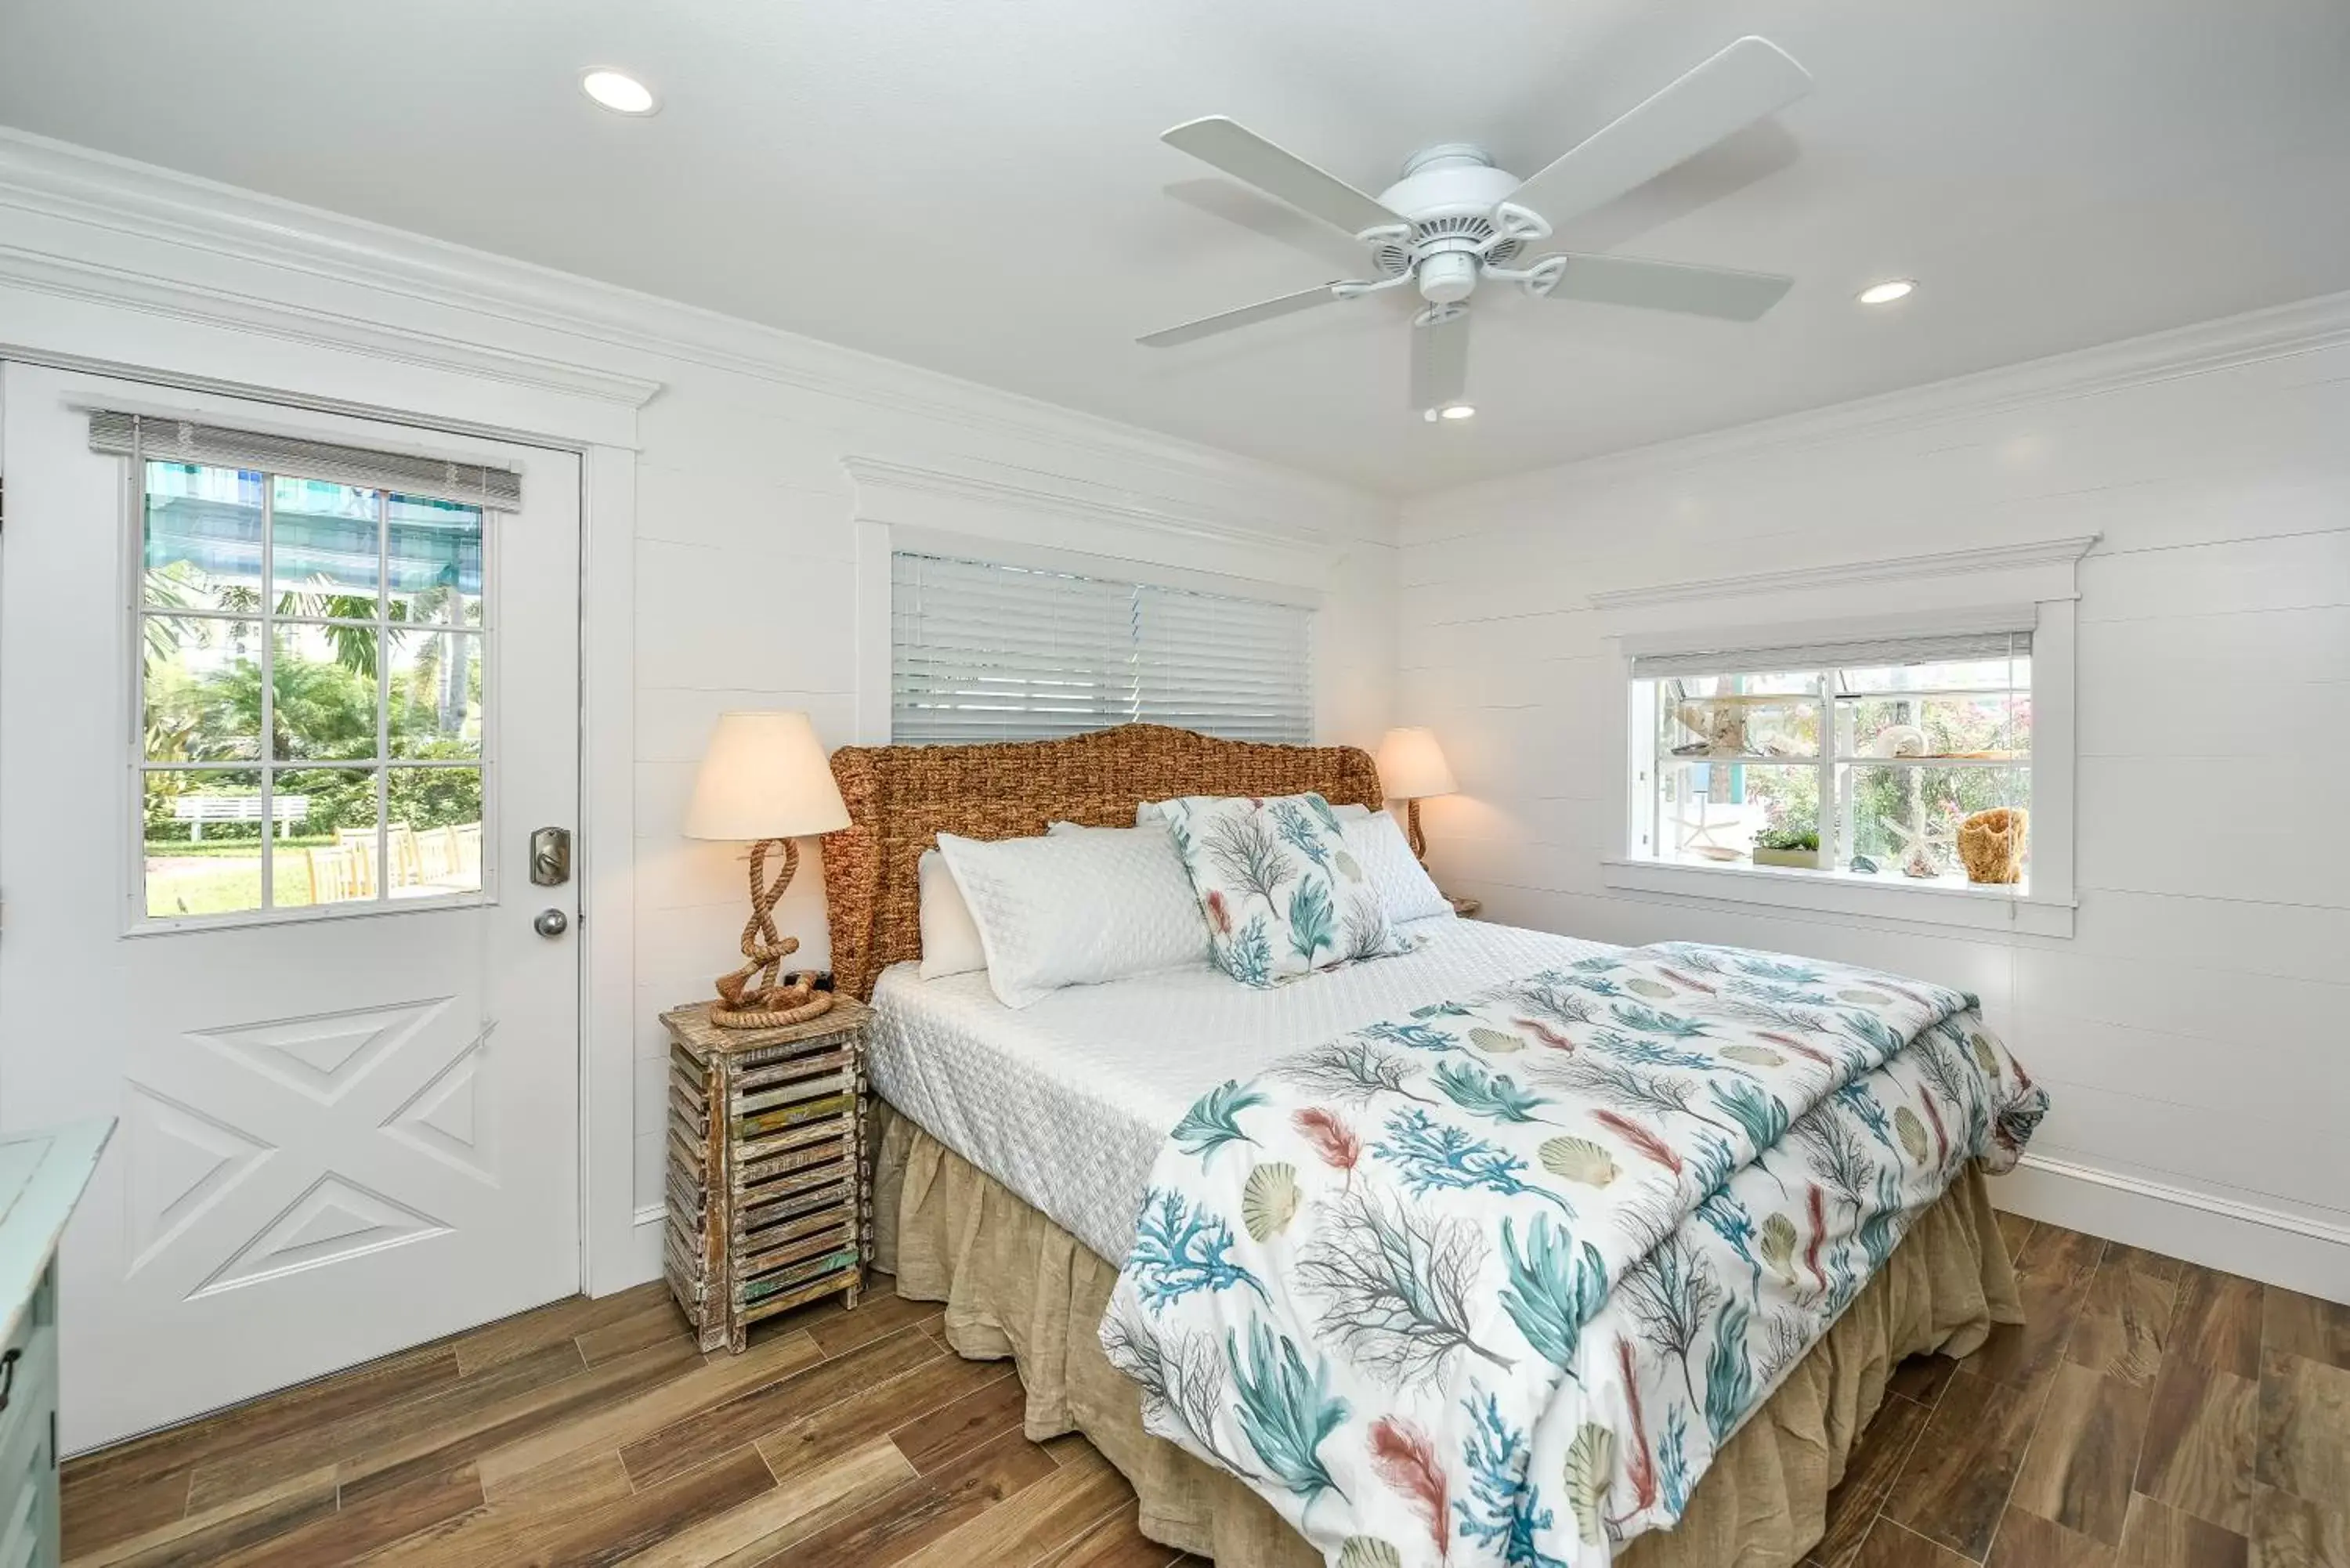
(900, 798)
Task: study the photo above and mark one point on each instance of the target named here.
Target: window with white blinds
(985, 651)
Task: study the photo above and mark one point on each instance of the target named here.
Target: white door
(272, 750)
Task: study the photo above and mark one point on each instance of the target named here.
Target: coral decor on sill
(1991, 844)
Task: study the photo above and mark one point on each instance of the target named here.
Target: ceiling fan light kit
(1455, 220)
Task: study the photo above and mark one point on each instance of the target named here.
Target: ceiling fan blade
(1440, 363)
(1670, 285)
(1246, 316)
(1729, 92)
(1246, 156)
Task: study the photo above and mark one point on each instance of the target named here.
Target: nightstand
(1465, 906)
(769, 1204)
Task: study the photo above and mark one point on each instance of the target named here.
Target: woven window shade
(157, 439)
(1955, 647)
(981, 651)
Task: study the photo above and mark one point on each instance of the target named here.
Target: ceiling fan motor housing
(1448, 193)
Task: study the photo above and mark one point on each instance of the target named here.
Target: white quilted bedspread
(1068, 1101)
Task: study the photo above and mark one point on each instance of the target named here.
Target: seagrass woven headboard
(901, 798)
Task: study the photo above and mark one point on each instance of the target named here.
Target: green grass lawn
(222, 879)
(233, 847)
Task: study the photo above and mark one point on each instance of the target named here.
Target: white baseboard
(644, 1257)
(2295, 1250)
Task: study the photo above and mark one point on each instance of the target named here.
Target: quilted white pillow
(951, 943)
(1077, 909)
(1377, 842)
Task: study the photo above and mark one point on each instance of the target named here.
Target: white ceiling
(979, 187)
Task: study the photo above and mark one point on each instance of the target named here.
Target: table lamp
(1412, 767)
(764, 778)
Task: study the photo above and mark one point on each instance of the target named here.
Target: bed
(1013, 1147)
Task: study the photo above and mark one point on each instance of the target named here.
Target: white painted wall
(2193, 1031)
(722, 521)
(746, 597)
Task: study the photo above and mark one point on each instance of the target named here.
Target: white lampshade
(763, 775)
(1412, 767)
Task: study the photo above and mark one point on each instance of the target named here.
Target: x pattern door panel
(336, 1135)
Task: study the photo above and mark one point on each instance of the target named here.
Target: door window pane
(325, 542)
(264, 613)
(202, 849)
(323, 686)
(325, 850)
(201, 689)
(436, 831)
(436, 693)
(201, 538)
(435, 561)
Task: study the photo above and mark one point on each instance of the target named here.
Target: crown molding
(1073, 499)
(2277, 332)
(1939, 564)
(185, 300)
(540, 318)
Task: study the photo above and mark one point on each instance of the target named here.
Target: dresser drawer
(28, 1461)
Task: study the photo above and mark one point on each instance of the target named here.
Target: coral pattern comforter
(1397, 1283)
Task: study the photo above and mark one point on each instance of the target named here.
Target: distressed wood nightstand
(769, 1205)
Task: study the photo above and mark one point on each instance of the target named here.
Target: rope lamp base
(770, 1003)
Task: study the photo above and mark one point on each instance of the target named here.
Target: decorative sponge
(1991, 844)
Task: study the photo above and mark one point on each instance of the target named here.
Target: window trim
(2023, 587)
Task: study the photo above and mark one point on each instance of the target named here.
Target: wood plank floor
(2151, 1413)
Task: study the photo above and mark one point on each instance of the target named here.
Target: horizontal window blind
(1956, 648)
(156, 439)
(1221, 665)
(981, 651)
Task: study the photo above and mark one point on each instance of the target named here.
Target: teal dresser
(41, 1177)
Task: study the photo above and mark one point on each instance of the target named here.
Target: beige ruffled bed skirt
(1017, 1284)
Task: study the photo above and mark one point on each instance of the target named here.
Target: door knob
(551, 923)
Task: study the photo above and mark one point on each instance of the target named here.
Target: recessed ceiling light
(1452, 412)
(1886, 292)
(617, 91)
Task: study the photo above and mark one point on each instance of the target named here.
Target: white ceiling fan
(1455, 220)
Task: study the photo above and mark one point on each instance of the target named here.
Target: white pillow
(1148, 815)
(1078, 908)
(951, 943)
(1396, 874)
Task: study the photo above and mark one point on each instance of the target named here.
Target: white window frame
(137, 919)
(2001, 589)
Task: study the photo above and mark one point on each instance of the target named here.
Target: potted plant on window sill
(1793, 847)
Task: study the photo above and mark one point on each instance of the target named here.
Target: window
(985, 651)
(310, 697)
(1857, 760)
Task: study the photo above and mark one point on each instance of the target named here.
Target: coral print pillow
(1283, 896)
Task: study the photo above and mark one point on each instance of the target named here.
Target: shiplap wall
(2193, 1032)
(745, 562)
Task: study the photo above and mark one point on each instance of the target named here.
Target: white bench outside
(195, 810)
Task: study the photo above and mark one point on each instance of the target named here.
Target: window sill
(1846, 893)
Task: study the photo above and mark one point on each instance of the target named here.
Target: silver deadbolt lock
(550, 856)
